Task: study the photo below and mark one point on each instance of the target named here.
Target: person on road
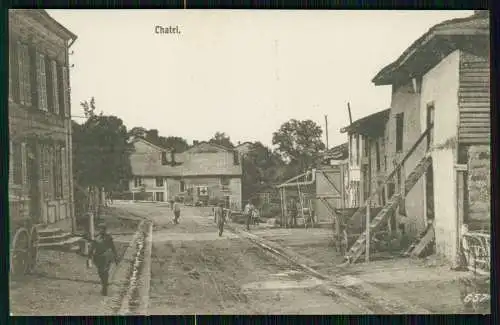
(249, 213)
(172, 204)
(103, 253)
(177, 211)
(221, 218)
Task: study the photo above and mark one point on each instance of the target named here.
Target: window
(159, 181)
(62, 89)
(385, 163)
(52, 85)
(351, 149)
(182, 186)
(17, 170)
(236, 158)
(24, 66)
(14, 71)
(224, 181)
(429, 122)
(41, 82)
(357, 149)
(137, 182)
(399, 131)
(57, 172)
(377, 153)
(366, 143)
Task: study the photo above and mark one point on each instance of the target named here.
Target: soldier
(248, 213)
(177, 211)
(293, 213)
(220, 218)
(103, 253)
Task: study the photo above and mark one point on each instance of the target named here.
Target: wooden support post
(460, 210)
(285, 208)
(282, 208)
(367, 249)
(342, 184)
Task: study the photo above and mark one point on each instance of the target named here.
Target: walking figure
(220, 217)
(249, 213)
(103, 253)
(177, 211)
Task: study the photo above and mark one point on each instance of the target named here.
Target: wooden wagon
(23, 237)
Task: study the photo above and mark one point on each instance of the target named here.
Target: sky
(240, 72)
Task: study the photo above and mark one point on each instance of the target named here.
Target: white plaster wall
(440, 86)
(235, 190)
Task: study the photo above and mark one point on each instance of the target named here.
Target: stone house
(440, 108)
(40, 163)
(202, 173)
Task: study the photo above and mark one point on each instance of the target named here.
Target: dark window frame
(399, 131)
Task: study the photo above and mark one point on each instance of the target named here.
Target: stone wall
(479, 184)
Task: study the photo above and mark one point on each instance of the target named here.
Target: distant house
(244, 148)
(336, 154)
(367, 158)
(441, 109)
(202, 173)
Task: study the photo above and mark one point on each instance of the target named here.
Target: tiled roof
(191, 163)
(338, 152)
(475, 25)
(371, 125)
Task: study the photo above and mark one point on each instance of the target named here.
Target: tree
(261, 169)
(221, 139)
(138, 132)
(299, 143)
(100, 150)
(177, 144)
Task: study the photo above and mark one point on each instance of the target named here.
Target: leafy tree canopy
(299, 143)
(221, 139)
(100, 149)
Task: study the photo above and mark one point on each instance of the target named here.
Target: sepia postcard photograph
(249, 162)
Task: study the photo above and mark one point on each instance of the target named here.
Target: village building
(367, 160)
(40, 182)
(244, 148)
(204, 173)
(440, 108)
(40, 160)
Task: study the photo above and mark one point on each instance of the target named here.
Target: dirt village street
(191, 270)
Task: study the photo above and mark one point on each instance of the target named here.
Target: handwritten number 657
(476, 297)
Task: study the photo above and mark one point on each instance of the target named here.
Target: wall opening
(399, 131)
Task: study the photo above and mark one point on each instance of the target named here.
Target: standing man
(248, 213)
(220, 217)
(103, 253)
(177, 211)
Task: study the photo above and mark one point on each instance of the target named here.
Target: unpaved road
(194, 271)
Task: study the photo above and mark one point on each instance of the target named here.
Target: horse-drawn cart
(23, 238)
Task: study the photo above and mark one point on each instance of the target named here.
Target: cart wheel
(33, 258)
(20, 252)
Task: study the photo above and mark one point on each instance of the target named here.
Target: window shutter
(41, 82)
(65, 91)
(55, 85)
(65, 174)
(48, 81)
(33, 79)
(27, 76)
(20, 59)
(24, 160)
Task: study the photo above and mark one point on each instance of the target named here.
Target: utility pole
(326, 130)
(185, 4)
(350, 116)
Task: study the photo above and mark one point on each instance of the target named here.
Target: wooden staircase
(359, 246)
(57, 239)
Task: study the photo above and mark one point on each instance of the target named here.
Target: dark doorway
(33, 177)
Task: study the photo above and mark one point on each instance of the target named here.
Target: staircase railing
(397, 168)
